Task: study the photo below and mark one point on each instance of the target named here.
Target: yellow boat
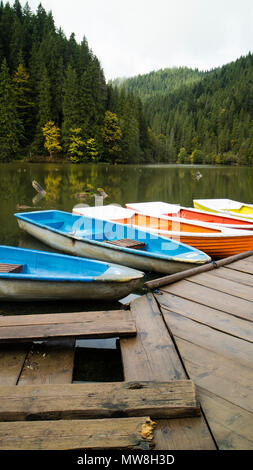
(225, 206)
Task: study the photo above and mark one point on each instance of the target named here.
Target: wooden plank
(225, 285)
(128, 433)
(62, 318)
(127, 243)
(101, 325)
(208, 316)
(218, 300)
(236, 276)
(243, 265)
(152, 355)
(224, 377)
(100, 400)
(171, 278)
(49, 363)
(223, 344)
(12, 358)
(231, 425)
(10, 268)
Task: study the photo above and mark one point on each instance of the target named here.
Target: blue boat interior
(86, 228)
(53, 265)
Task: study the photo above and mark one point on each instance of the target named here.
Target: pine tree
(11, 130)
(44, 112)
(111, 134)
(24, 104)
(70, 105)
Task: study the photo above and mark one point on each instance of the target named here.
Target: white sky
(132, 37)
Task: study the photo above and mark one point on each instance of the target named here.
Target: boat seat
(128, 243)
(10, 268)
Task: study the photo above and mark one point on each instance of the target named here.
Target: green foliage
(209, 114)
(75, 145)
(51, 135)
(11, 130)
(111, 134)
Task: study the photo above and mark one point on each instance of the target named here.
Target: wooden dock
(187, 361)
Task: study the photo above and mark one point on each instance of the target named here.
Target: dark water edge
(65, 182)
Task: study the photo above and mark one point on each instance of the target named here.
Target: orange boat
(216, 241)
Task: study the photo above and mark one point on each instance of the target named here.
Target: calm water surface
(63, 184)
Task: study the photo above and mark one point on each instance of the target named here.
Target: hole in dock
(98, 361)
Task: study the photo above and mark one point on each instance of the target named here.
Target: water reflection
(120, 183)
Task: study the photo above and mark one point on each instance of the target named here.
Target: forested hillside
(160, 82)
(54, 99)
(199, 117)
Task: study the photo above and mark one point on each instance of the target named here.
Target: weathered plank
(224, 377)
(220, 301)
(101, 400)
(225, 285)
(236, 276)
(12, 358)
(171, 278)
(207, 316)
(244, 266)
(87, 325)
(151, 355)
(224, 344)
(128, 433)
(49, 363)
(231, 425)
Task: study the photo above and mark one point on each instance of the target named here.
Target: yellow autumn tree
(51, 135)
(76, 144)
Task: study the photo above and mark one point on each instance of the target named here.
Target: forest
(56, 104)
(54, 99)
(198, 117)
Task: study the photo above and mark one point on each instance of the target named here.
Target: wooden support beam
(99, 400)
(79, 325)
(152, 355)
(95, 434)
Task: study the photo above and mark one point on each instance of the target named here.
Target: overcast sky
(132, 37)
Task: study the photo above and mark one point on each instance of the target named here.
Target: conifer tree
(70, 105)
(11, 130)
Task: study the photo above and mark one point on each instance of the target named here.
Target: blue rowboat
(109, 241)
(37, 275)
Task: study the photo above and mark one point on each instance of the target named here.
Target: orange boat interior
(163, 224)
(210, 218)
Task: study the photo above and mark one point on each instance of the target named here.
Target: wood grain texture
(223, 377)
(151, 355)
(12, 358)
(231, 425)
(100, 400)
(81, 325)
(49, 363)
(204, 295)
(225, 285)
(221, 343)
(207, 316)
(75, 434)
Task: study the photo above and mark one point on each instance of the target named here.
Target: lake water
(64, 183)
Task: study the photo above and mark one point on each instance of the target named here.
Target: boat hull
(23, 291)
(87, 249)
(244, 212)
